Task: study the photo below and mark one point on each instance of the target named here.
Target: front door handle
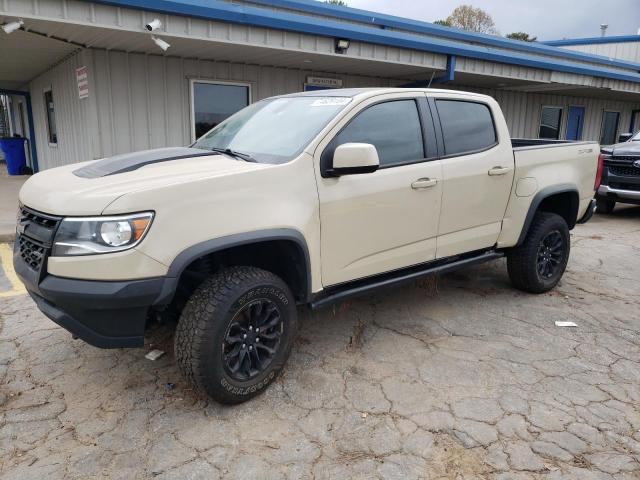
(499, 170)
(424, 183)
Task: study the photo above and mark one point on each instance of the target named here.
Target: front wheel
(235, 333)
(537, 265)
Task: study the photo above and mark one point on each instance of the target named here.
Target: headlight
(92, 235)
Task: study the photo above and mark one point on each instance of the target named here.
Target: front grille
(35, 241)
(32, 252)
(30, 216)
(624, 171)
(625, 186)
(625, 158)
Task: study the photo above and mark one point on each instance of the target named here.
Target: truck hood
(88, 188)
(625, 148)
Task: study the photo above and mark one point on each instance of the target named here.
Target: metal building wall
(75, 118)
(140, 101)
(621, 50)
(522, 111)
(144, 100)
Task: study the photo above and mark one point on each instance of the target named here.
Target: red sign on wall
(82, 77)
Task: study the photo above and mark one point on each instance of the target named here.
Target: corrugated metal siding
(522, 111)
(301, 11)
(75, 118)
(623, 51)
(144, 100)
(483, 67)
(72, 14)
(140, 101)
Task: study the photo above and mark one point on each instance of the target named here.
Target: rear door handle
(424, 183)
(499, 170)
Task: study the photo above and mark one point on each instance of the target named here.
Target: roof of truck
(355, 92)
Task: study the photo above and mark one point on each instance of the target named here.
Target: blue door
(575, 122)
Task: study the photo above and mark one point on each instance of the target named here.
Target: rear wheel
(604, 205)
(537, 265)
(235, 333)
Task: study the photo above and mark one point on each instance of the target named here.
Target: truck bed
(536, 142)
(545, 165)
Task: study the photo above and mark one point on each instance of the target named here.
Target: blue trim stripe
(381, 20)
(223, 11)
(593, 40)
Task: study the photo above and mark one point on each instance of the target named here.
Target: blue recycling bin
(13, 149)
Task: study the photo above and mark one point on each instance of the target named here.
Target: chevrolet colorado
(299, 199)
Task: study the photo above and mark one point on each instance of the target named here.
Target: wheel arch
(286, 238)
(563, 200)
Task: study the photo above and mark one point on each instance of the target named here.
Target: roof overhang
(23, 56)
(251, 35)
(481, 48)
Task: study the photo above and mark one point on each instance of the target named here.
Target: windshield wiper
(233, 153)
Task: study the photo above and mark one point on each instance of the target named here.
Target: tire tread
(520, 263)
(196, 324)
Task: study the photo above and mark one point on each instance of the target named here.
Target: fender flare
(187, 256)
(537, 200)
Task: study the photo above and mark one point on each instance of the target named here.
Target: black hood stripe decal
(129, 162)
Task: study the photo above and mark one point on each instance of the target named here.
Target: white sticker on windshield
(330, 101)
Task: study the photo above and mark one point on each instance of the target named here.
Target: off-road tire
(204, 324)
(605, 205)
(522, 261)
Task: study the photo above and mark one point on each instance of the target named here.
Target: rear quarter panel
(570, 165)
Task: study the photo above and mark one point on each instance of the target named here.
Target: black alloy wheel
(550, 254)
(235, 333)
(537, 264)
(252, 339)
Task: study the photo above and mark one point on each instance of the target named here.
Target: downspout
(448, 76)
(32, 134)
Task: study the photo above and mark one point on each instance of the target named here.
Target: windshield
(273, 131)
(636, 137)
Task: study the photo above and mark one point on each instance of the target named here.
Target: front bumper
(105, 314)
(619, 194)
(620, 182)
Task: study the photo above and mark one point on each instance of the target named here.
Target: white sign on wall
(82, 77)
(325, 82)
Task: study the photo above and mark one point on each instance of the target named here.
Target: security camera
(161, 43)
(12, 26)
(153, 25)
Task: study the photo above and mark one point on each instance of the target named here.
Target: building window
(52, 130)
(550, 120)
(211, 103)
(466, 126)
(392, 127)
(609, 131)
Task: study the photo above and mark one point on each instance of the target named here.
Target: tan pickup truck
(301, 199)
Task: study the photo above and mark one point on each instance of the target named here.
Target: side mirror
(351, 158)
(624, 137)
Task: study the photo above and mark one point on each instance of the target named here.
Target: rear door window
(466, 126)
(392, 127)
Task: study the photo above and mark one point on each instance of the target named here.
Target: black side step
(397, 277)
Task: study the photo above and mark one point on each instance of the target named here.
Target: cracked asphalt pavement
(455, 377)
